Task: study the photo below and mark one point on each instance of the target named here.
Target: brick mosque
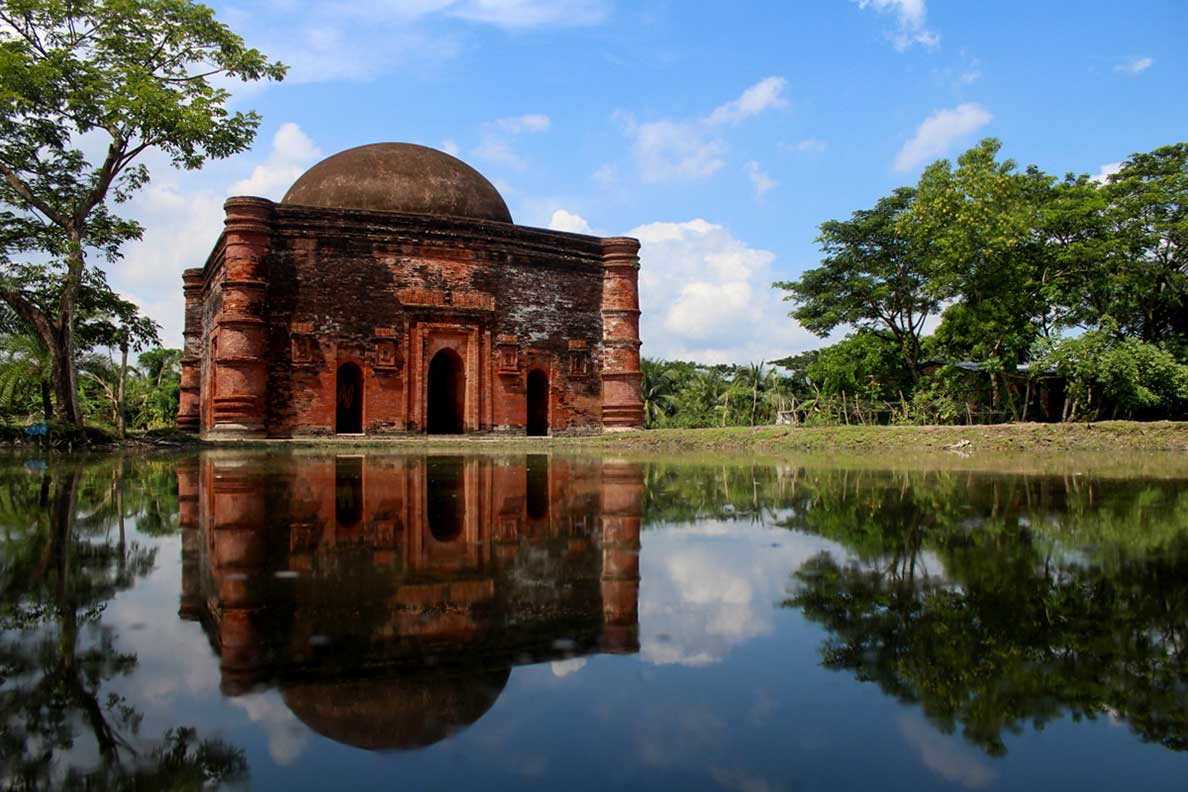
(389, 292)
(389, 598)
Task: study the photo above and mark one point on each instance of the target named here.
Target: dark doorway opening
(538, 486)
(538, 403)
(349, 389)
(444, 499)
(348, 491)
(447, 394)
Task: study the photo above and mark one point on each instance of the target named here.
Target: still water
(544, 622)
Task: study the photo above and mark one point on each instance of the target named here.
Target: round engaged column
(622, 509)
(239, 346)
(189, 406)
(622, 405)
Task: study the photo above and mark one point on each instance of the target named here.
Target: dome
(395, 714)
(399, 177)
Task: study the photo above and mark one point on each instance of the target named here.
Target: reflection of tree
(1023, 627)
(61, 566)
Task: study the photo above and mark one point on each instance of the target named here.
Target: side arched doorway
(446, 397)
(349, 395)
(538, 403)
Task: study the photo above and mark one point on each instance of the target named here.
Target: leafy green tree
(60, 566)
(25, 376)
(864, 365)
(658, 386)
(872, 278)
(976, 224)
(134, 75)
(1107, 375)
(1146, 277)
(158, 388)
(961, 593)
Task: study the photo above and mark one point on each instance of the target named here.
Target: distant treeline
(1047, 299)
(116, 393)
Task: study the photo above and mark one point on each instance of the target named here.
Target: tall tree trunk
(37, 319)
(120, 388)
(47, 402)
(66, 374)
(65, 381)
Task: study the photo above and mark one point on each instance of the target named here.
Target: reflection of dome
(398, 713)
(399, 177)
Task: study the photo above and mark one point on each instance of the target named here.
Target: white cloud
(182, 214)
(708, 588)
(607, 175)
(944, 755)
(686, 150)
(498, 151)
(761, 183)
(911, 22)
(1136, 65)
(495, 144)
(292, 154)
(707, 296)
(1108, 170)
(674, 150)
(568, 221)
(450, 147)
(529, 122)
(937, 134)
(531, 13)
(763, 95)
(809, 145)
(287, 736)
(361, 40)
(563, 668)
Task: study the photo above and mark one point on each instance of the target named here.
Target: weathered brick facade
(371, 589)
(441, 322)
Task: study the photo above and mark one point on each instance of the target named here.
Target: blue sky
(721, 134)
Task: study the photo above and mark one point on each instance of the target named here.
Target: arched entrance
(538, 403)
(445, 501)
(446, 397)
(348, 491)
(349, 393)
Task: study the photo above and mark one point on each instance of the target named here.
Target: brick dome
(399, 177)
(395, 714)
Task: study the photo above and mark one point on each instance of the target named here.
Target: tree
(864, 365)
(62, 725)
(25, 375)
(977, 226)
(132, 75)
(1147, 265)
(658, 389)
(872, 278)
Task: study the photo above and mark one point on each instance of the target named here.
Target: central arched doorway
(445, 500)
(349, 395)
(446, 398)
(348, 491)
(538, 403)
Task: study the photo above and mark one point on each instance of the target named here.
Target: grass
(1105, 436)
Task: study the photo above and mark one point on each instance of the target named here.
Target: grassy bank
(1108, 436)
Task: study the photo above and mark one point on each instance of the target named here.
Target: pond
(445, 621)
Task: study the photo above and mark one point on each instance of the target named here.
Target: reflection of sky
(706, 588)
(727, 693)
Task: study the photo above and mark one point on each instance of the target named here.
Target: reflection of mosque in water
(389, 597)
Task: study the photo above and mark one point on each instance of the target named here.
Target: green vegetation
(1063, 299)
(68, 545)
(992, 602)
(114, 395)
(133, 76)
(995, 603)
